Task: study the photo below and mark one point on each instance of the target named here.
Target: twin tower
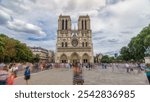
(74, 45)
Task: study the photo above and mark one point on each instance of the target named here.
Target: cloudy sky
(113, 22)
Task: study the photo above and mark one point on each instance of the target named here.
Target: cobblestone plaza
(97, 76)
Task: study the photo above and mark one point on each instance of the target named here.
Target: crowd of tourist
(8, 72)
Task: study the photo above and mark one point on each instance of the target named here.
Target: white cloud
(4, 17)
(113, 24)
(22, 26)
(18, 25)
(120, 21)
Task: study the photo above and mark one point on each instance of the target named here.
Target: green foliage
(125, 53)
(36, 58)
(137, 46)
(106, 59)
(12, 50)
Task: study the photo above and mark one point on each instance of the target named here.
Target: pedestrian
(68, 66)
(113, 67)
(11, 78)
(77, 74)
(127, 67)
(139, 67)
(3, 75)
(105, 66)
(27, 74)
(41, 66)
(14, 69)
(147, 71)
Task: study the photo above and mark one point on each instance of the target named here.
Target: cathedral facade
(74, 45)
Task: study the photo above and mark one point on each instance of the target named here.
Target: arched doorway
(63, 58)
(85, 58)
(74, 58)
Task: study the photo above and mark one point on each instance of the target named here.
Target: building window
(82, 44)
(66, 24)
(82, 24)
(63, 24)
(86, 44)
(62, 44)
(85, 25)
(66, 44)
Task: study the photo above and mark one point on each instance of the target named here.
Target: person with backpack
(27, 74)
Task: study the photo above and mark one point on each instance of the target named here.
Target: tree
(125, 53)
(137, 46)
(105, 59)
(147, 41)
(36, 58)
(13, 50)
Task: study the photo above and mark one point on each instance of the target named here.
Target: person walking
(147, 71)
(27, 74)
(11, 78)
(127, 67)
(3, 75)
(77, 75)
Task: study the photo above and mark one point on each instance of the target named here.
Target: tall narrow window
(62, 44)
(85, 25)
(82, 44)
(66, 44)
(82, 24)
(63, 24)
(86, 44)
(66, 24)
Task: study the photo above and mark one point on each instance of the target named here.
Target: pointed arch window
(63, 24)
(86, 44)
(66, 24)
(82, 44)
(82, 25)
(85, 25)
(62, 44)
(66, 45)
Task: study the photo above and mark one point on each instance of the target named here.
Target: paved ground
(98, 76)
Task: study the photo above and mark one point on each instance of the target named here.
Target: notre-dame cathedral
(74, 45)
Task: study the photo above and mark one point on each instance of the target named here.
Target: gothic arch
(63, 58)
(85, 58)
(74, 58)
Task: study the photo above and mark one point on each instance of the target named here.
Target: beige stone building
(44, 54)
(74, 45)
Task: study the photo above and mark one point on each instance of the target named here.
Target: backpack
(27, 72)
